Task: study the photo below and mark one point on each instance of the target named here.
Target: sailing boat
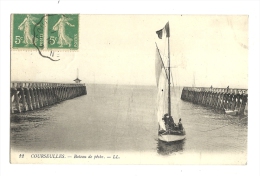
(168, 131)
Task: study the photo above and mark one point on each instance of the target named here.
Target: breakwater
(28, 96)
(218, 98)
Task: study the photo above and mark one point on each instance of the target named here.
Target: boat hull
(171, 137)
(230, 112)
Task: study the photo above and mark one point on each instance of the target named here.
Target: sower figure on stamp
(63, 39)
(25, 26)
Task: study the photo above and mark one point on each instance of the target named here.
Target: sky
(120, 49)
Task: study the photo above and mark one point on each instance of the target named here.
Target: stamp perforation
(45, 24)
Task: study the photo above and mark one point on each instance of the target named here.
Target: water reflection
(26, 122)
(167, 148)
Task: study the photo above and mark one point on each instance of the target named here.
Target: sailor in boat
(166, 121)
(170, 125)
(169, 122)
(180, 125)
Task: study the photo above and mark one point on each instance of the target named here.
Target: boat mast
(169, 73)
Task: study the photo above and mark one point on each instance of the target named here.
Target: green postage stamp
(63, 31)
(28, 31)
(45, 31)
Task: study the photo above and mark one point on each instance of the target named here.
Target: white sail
(158, 68)
(162, 99)
(162, 76)
(161, 80)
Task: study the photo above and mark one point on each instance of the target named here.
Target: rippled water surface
(123, 118)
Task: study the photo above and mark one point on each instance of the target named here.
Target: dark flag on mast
(166, 30)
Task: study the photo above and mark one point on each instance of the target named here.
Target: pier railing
(18, 84)
(218, 98)
(27, 96)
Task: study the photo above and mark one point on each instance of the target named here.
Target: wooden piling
(217, 98)
(30, 95)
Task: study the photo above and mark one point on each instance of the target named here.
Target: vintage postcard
(129, 89)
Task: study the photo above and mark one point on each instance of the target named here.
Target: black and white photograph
(170, 88)
(155, 85)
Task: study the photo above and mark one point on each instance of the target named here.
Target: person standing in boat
(171, 122)
(168, 121)
(180, 125)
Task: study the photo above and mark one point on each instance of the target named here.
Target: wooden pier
(218, 98)
(28, 96)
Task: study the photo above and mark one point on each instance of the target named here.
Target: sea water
(122, 118)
